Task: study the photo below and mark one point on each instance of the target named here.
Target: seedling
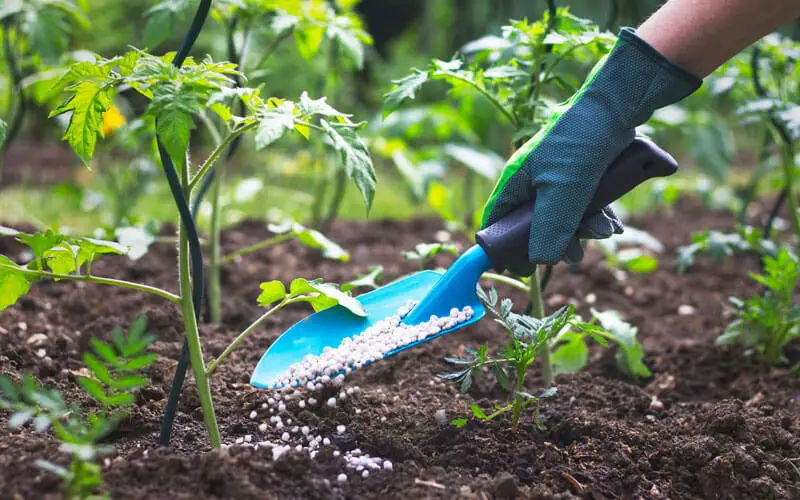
(720, 245)
(766, 323)
(423, 252)
(527, 337)
(514, 74)
(115, 375)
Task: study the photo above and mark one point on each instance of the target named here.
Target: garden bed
(708, 424)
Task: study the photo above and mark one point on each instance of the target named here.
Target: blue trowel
(502, 245)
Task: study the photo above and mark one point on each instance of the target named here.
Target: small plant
(632, 251)
(423, 252)
(527, 337)
(115, 374)
(767, 322)
(721, 245)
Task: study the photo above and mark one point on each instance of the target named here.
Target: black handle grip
(506, 241)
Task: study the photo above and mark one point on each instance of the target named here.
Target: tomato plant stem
(214, 286)
(255, 247)
(537, 311)
(506, 280)
(213, 364)
(518, 404)
(214, 156)
(193, 333)
(787, 162)
(97, 280)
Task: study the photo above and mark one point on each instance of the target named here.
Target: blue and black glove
(562, 164)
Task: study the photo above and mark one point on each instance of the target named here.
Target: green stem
(506, 280)
(537, 311)
(221, 147)
(192, 331)
(518, 404)
(212, 365)
(508, 114)
(95, 279)
(787, 162)
(214, 285)
(255, 247)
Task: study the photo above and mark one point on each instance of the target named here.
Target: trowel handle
(506, 241)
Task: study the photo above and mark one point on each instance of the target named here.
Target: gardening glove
(562, 164)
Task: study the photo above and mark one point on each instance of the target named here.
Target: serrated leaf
(39, 243)
(403, 89)
(89, 100)
(307, 107)
(13, 283)
(8, 388)
(121, 399)
(271, 292)
(501, 376)
(3, 132)
(355, 158)
(548, 393)
(272, 126)
(90, 248)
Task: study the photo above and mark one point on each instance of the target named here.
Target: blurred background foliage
(706, 132)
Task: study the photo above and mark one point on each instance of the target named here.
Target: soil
(708, 424)
(37, 163)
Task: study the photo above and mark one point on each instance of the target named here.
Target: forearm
(700, 35)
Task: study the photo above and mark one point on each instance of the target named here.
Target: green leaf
(621, 331)
(140, 362)
(572, 356)
(51, 467)
(174, 126)
(8, 388)
(104, 350)
(13, 283)
(324, 295)
(3, 131)
(121, 399)
(477, 411)
(308, 40)
(129, 382)
(369, 280)
(90, 248)
(314, 239)
(62, 259)
(403, 89)
(355, 158)
(307, 107)
(482, 161)
(271, 291)
(89, 100)
(272, 126)
(97, 368)
(39, 243)
(635, 260)
(93, 388)
(460, 422)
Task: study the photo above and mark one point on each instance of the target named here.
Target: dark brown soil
(708, 424)
(37, 163)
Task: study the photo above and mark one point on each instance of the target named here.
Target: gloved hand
(562, 164)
